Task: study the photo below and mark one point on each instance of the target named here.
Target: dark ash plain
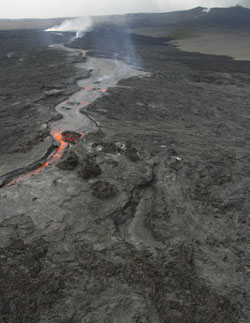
(146, 220)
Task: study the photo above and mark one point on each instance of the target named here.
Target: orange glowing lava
(63, 145)
(32, 173)
(104, 90)
(64, 139)
(88, 88)
(84, 103)
(71, 137)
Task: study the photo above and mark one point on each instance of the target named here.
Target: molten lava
(88, 88)
(104, 90)
(64, 139)
(84, 103)
(63, 145)
(71, 137)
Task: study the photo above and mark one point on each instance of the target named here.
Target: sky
(72, 8)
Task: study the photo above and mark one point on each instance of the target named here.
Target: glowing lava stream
(63, 145)
(69, 138)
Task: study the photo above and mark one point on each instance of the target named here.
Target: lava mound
(103, 190)
(71, 137)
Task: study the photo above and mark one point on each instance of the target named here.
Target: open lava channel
(53, 154)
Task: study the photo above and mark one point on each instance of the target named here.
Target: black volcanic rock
(103, 190)
(69, 162)
(89, 169)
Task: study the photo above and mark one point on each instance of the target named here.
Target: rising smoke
(118, 40)
(79, 25)
(108, 37)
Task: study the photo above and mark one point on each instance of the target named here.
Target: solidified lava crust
(71, 137)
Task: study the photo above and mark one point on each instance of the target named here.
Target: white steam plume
(79, 25)
(172, 5)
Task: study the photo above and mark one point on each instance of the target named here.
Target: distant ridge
(233, 17)
(236, 17)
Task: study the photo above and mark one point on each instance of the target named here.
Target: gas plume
(79, 25)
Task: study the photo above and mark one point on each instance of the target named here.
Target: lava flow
(88, 88)
(64, 139)
(63, 145)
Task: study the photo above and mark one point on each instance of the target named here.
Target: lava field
(125, 180)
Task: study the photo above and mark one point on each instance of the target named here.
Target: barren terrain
(146, 218)
(236, 45)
